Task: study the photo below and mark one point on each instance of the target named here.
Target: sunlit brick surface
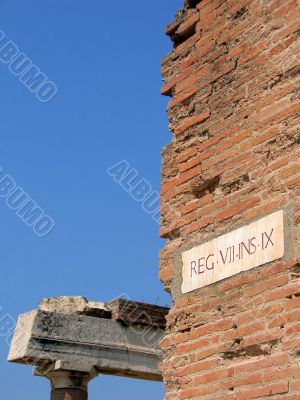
(233, 79)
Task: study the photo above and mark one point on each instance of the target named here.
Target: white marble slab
(240, 250)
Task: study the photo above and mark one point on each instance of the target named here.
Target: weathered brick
(266, 390)
(233, 158)
(189, 122)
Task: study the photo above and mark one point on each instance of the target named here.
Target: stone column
(67, 384)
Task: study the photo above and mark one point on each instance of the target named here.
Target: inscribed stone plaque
(240, 250)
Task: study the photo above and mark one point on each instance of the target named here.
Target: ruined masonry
(71, 341)
(230, 201)
(230, 216)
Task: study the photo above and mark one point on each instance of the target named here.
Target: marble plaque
(240, 250)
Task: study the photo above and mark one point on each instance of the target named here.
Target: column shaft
(69, 394)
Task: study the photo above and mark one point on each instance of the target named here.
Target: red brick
(189, 122)
(275, 334)
(197, 203)
(237, 208)
(267, 390)
(166, 273)
(213, 376)
(188, 24)
(266, 362)
(168, 86)
(192, 79)
(203, 222)
(235, 117)
(199, 366)
(184, 96)
(265, 285)
(187, 175)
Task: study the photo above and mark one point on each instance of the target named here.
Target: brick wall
(233, 79)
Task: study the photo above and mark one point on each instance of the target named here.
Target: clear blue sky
(104, 57)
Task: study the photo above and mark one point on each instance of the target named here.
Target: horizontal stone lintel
(108, 346)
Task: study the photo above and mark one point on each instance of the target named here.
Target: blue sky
(104, 57)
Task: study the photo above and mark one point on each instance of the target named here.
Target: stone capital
(63, 375)
(67, 382)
